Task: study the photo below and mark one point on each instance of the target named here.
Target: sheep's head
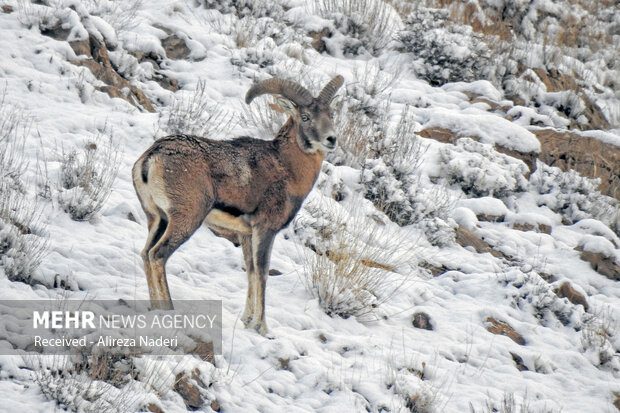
(314, 116)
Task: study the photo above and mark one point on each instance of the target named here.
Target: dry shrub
(262, 116)
(76, 383)
(86, 177)
(376, 79)
(354, 268)
(23, 242)
(509, 404)
(357, 134)
(122, 15)
(192, 113)
(372, 22)
(598, 335)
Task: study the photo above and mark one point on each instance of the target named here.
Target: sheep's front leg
(262, 242)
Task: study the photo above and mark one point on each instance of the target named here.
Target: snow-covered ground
(568, 359)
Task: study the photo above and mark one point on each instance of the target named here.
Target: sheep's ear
(284, 105)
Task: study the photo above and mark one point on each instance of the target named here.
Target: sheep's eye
(304, 117)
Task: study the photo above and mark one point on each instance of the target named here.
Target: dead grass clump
(23, 241)
(355, 268)
(193, 113)
(86, 177)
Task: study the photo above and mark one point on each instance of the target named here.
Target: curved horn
(330, 89)
(291, 90)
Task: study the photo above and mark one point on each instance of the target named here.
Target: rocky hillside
(460, 250)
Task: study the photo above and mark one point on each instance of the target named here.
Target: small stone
(215, 405)
(274, 273)
(175, 48)
(566, 290)
(602, 264)
(284, 363)
(188, 391)
(519, 362)
(467, 238)
(504, 329)
(203, 349)
(617, 401)
(317, 42)
(423, 321)
(152, 407)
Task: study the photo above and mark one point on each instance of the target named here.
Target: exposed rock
(6, 8)
(588, 156)
(494, 105)
(175, 48)
(423, 321)
(538, 227)
(566, 290)
(152, 407)
(101, 67)
(81, 47)
(519, 364)
(524, 226)
(165, 81)
(467, 238)
(439, 134)
(504, 329)
(94, 56)
(215, 405)
(602, 264)
(188, 391)
(317, 41)
(544, 228)
(196, 376)
(284, 363)
(56, 32)
(204, 350)
(555, 81)
(434, 270)
(490, 218)
(617, 401)
(447, 136)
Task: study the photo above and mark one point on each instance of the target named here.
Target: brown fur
(245, 189)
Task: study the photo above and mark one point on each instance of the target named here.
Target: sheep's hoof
(246, 319)
(262, 329)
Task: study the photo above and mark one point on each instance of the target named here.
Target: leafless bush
(354, 268)
(122, 15)
(263, 117)
(22, 239)
(360, 131)
(244, 32)
(86, 177)
(356, 132)
(375, 78)
(83, 384)
(39, 15)
(509, 404)
(372, 22)
(598, 334)
(193, 114)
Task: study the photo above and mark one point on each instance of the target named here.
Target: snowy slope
(316, 362)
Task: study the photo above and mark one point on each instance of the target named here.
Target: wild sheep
(244, 188)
